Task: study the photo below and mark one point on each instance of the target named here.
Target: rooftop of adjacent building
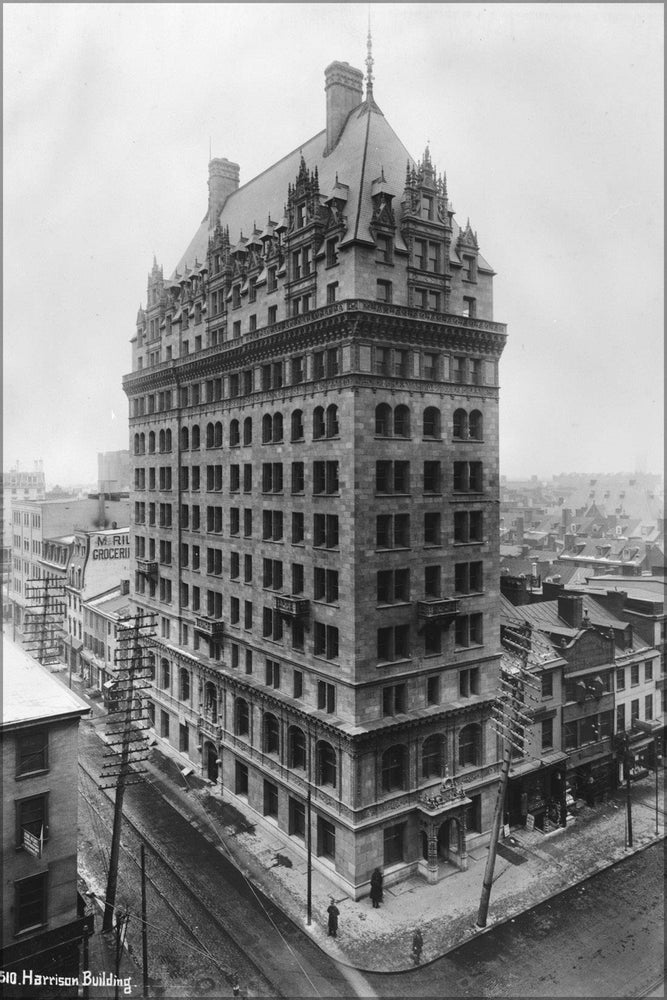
(30, 693)
(114, 603)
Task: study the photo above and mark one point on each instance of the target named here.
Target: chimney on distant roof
(343, 85)
(223, 180)
(571, 609)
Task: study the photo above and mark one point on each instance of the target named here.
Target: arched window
(476, 425)
(185, 439)
(318, 423)
(402, 422)
(184, 684)
(460, 428)
(234, 434)
(247, 430)
(469, 745)
(241, 717)
(297, 425)
(277, 427)
(326, 764)
(196, 437)
(297, 747)
(271, 734)
(433, 756)
(161, 440)
(431, 422)
(167, 440)
(332, 421)
(165, 676)
(209, 435)
(267, 427)
(217, 435)
(383, 420)
(151, 443)
(211, 701)
(393, 768)
(136, 445)
(142, 443)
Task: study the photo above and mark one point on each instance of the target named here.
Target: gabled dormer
(426, 228)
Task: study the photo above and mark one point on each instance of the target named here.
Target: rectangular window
(326, 697)
(634, 711)
(32, 754)
(634, 674)
(325, 478)
(648, 670)
(648, 707)
(298, 478)
(270, 799)
(297, 819)
(164, 725)
(468, 526)
(468, 682)
(468, 577)
(183, 738)
(394, 840)
(393, 586)
(393, 643)
(272, 676)
(620, 718)
(384, 291)
(32, 817)
(298, 527)
(325, 531)
(325, 641)
(393, 699)
(325, 585)
(326, 839)
(432, 483)
(241, 779)
(432, 529)
(297, 681)
(547, 685)
(30, 897)
(468, 630)
(620, 679)
(433, 690)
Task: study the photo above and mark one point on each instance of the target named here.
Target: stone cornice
(357, 318)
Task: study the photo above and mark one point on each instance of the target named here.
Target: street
(601, 938)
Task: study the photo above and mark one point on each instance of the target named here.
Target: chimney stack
(343, 85)
(571, 609)
(223, 180)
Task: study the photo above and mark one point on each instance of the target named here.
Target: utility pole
(309, 846)
(45, 612)
(144, 926)
(627, 766)
(126, 733)
(510, 723)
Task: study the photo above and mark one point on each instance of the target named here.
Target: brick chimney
(571, 609)
(223, 179)
(343, 85)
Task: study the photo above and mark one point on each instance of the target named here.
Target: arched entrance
(211, 758)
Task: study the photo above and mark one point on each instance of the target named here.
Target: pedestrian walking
(376, 888)
(417, 946)
(236, 989)
(334, 913)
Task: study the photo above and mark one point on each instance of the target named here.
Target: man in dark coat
(376, 888)
(417, 946)
(333, 912)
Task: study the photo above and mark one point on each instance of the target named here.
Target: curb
(297, 921)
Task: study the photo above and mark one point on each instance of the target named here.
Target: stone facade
(314, 436)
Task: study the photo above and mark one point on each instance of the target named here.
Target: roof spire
(369, 60)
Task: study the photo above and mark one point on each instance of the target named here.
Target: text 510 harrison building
(314, 432)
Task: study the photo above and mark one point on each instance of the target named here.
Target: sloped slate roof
(367, 146)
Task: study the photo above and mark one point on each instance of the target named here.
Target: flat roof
(30, 693)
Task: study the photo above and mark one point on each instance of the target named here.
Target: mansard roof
(367, 149)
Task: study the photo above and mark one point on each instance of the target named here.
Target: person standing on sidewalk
(417, 946)
(376, 888)
(334, 913)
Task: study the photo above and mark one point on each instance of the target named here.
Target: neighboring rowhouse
(314, 435)
(42, 922)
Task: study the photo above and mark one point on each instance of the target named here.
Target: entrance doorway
(212, 763)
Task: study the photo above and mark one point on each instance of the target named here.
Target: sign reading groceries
(112, 547)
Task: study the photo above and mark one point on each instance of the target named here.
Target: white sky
(546, 117)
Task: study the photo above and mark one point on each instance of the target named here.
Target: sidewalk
(534, 868)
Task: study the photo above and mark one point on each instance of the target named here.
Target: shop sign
(530, 822)
(33, 844)
(112, 547)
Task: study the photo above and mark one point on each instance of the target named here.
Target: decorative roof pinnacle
(369, 62)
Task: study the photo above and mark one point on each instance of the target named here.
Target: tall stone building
(314, 435)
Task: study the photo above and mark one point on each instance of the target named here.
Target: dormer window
(272, 279)
(470, 265)
(252, 290)
(300, 216)
(427, 206)
(332, 252)
(383, 253)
